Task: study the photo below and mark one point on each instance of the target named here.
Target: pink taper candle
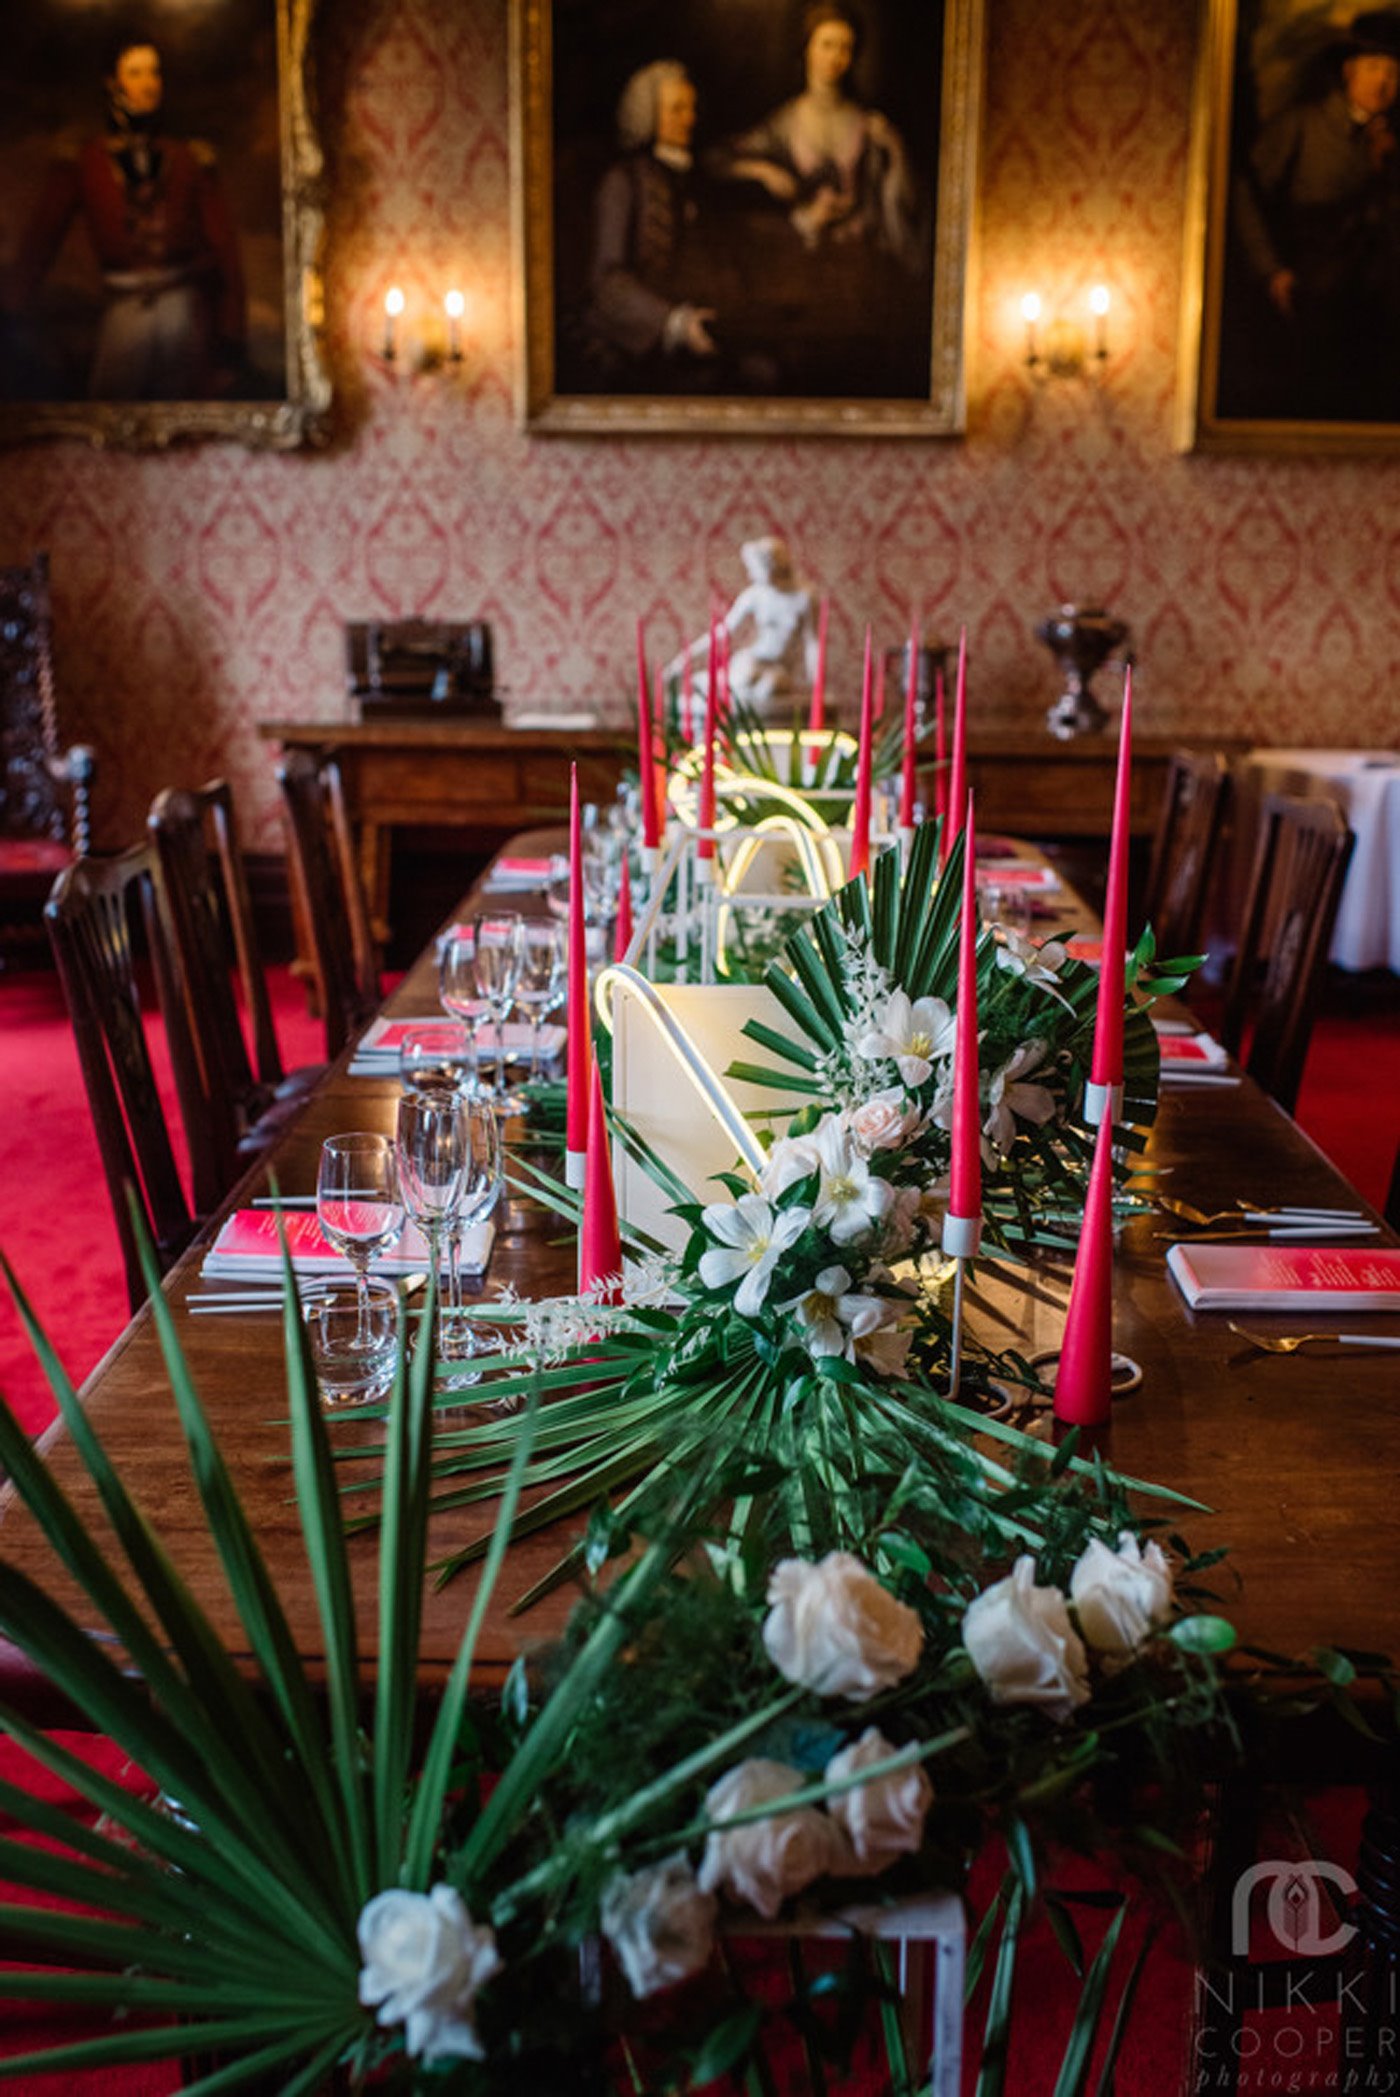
(705, 848)
(646, 769)
(600, 1247)
(860, 812)
(580, 1040)
(940, 748)
(622, 930)
(816, 717)
(1106, 1069)
(908, 777)
(965, 1194)
(957, 777)
(1084, 1383)
(658, 733)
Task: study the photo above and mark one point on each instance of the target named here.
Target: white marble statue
(772, 633)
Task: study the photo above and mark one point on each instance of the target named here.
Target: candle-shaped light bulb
(1030, 314)
(393, 307)
(1099, 302)
(454, 305)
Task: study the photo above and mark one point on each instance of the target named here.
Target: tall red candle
(580, 1040)
(816, 717)
(600, 1244)
(705, 847)
(622, 930)
(1084, 1383)
(860, 813)
(658, 732)
(965, 1196)
(957, 777)
(1107, 1066)
(646, 766)
(940, 748)
(908, 779)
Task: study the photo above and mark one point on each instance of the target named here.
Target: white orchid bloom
(915, 1035)
(791, 1159)
(1011, 1099)
(752, 1239)
(833, 1315)
(850, 1198)
(1041, 965)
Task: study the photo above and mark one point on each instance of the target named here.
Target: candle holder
(1080, 638)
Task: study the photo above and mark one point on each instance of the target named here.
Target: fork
(1290, 1342)
(1203, 1218)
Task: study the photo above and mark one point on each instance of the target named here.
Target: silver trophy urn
(1080, 638)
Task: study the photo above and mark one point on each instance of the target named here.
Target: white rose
(834, 1629)
(881, 1123)
(424, 1962)
(764, 1861)
(883, 1818)
(1022, 1644)
(1121, 1596)
(660, 1925)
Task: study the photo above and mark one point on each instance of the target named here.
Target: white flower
(424, 1963)
(883, 1818)
(1021, 1642)
(834, 1629)
(916, 1035)
(752, 1240)
(885, 1351)
(764, 1861)
(1009, 1097)
(883, 1122)
(850, 1198)
(659, 1923)
(1121, 1596)
(1038, 964)
(831, 1314)
(791, 1159)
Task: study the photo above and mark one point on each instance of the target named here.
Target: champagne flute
(539, 989)
(482, 1181)
(497, 943)
(458, 993)
(432, 1148)
(358, 1204)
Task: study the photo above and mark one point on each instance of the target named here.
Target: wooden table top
(1296, 1454)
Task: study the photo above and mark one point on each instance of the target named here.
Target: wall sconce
(1064, 351)
(418, 343)
(393, 308)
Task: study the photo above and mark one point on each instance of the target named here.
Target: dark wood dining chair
(1189, 826)
(216, 947)
(101, 912)
(329, 894)
(44, 789)
(1290, 910)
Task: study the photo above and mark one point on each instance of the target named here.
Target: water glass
(357, 1200)
(354, 1343)
(497, 941)
(541, 983)
(439, 1055)
(457, 987)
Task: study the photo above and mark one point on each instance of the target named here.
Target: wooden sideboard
(490, 780)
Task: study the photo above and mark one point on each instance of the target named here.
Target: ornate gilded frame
(300, 416)
(545, 410)
(1211, 312)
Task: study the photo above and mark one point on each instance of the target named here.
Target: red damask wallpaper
(201, 592)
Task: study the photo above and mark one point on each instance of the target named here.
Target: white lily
(752, 1239)
(914, 1034)
(1010, 1098)
(1020, 956)
(851, 1199)
(833, 1314)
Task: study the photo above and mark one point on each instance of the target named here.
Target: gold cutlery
(1290, 1342)
(1256, 1213)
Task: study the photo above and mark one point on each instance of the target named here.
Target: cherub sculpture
(771, 630)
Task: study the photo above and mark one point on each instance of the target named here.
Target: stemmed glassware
(540, 985)
(449, 1158)
(358, 1204)
(497, 941)
(457, 986)
(438, 1055)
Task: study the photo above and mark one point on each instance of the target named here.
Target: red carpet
(58, 1234)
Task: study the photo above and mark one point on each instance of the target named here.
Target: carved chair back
(44, 790)
(329, 894)
(1184, 850)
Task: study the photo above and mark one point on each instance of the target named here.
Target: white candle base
(575, 1169)
(651, 860)
(961, 1236)
(1102, 1102)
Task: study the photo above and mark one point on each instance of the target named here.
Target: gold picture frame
(237, 174)
(848, 328)
(1290, 337)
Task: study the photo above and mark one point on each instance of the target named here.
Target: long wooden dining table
(1295, 1456)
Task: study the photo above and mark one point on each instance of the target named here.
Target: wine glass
(539, 988)
(358, 1204)
(457, 986)
(438, 1055)
(497, 943)
(432, 1148)
(482, 1181)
